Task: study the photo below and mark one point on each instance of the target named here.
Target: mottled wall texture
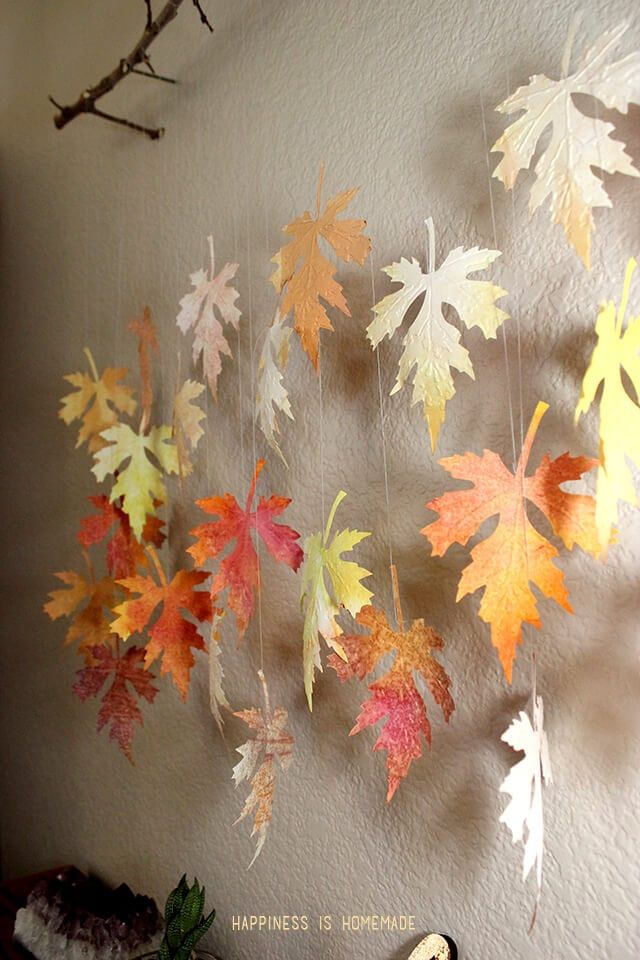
(96, 223)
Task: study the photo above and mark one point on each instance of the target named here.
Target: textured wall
(96, 223)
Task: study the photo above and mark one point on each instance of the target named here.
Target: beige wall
(96, 223)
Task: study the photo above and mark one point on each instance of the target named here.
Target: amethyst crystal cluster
(79, 918)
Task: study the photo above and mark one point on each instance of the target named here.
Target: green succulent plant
(185, 922)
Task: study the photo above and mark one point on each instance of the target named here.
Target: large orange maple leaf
(314, 280)
(239, 570)
(172, 636)
(395, 695)
(515, 555)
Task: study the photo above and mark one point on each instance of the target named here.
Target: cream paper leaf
(431, 345)
(524, 783)
(212, 297)
(271, 742)
(187, 416)
(563, 172)
(140, 482)
(217, 696)
(329, 584)
(617, 351)
(271, 394)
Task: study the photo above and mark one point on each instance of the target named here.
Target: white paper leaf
(564, 170)
(199, 312)
(431, 346)
(524, 813)
(217, 696)
(271, 395)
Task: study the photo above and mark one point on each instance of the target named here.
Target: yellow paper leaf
(564, 173)
(97, 400)
(617, 351)
(324, 564)
(431, 345)
(140, 482)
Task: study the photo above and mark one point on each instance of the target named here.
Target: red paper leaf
(239, 569)
(119, 708)
(125, 553)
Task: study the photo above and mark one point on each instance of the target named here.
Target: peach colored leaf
(97, 401)
(238, 571)
(578, 142)
(395, 695)
(212, 297)
(308, 275)
(271, 742)
(515, 554)
(119, 708)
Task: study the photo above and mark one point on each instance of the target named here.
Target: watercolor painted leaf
(212, 300)
(578, 143)
(308, 275)
(431, 347)
(515, 555)
(97, 400)
(119, 709)
(271, 743)
(524, 782)
(187, 429)
(271, 394)
(88, 603)
(144, 329)
(238, 571)
(217, 696)
(171, 635)
(125, 554)
(140, 482)
(329, 584)
(395, 697)
(616, 354)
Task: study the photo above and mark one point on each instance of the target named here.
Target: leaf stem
(538, 414)
(396, 597)
(92, 363)
(622, 309)
(431, 245)
(319, 190)
(336, 503)
(151, 550)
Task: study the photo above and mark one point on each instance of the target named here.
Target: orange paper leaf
(395, 695)
(97, 401)
(314, 280)
(88, 603)
(144, 329)
(515, 554)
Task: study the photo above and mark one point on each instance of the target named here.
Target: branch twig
(86, 102)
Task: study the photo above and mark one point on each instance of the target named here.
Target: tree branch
(86, 102)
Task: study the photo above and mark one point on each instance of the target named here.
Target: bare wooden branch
(86, 102)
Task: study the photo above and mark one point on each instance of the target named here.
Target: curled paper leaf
(323, 561)
(271, 395)
(313, 281)
(431, 345)
(564, 171)
(617, 353)
(271, 742)
(212, 297)
(515, 554)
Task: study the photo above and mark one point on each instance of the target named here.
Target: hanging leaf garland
(238, 571)
(616, 355)
(515, 554)
(431, 345)
(307, 277)
(564, 171)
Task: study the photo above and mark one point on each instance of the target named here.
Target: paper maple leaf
(314, 280)
(124, 552)
(431, 345)
(395, 695)
(324, 559)
(199, 312)
(97, 400)
(271, 394)
(524, 783)
(515, 554)
(187, 416)
(578, 143)
(171, 636)
(271, 742)
(616, 351)
(140, 482)
(239, 570)
(144, 329)
(119, 708)
(86, 601)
